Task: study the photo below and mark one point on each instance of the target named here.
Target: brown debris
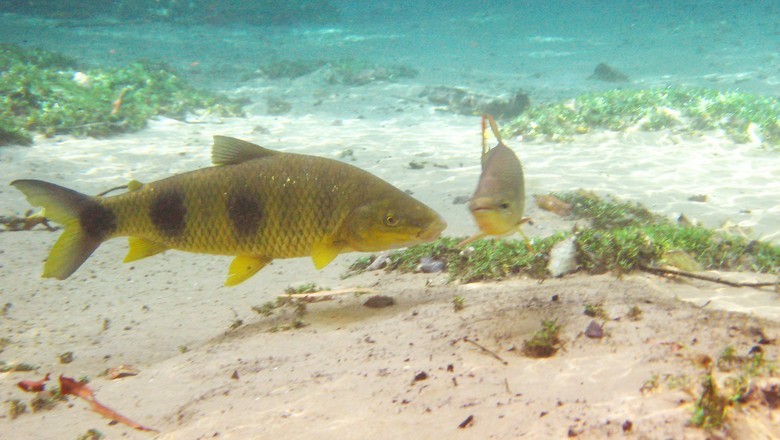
(121, 371)
(80, 389)
(551, 203)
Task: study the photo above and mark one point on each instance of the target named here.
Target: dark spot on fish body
(245, 212)
(96, 220)
(168, 212)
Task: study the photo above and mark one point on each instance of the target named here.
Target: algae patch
(743, 117)
(615, 236)
(48, 93)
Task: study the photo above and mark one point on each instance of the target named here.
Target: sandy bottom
(210, 367)
(349, 373)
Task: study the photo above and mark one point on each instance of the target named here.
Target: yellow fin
(134, 185)
(472, 239)
(142, 248)
(63, 206)
(243, 267)
(231, 151)
(324, 252)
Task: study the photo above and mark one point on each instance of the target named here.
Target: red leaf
(80, 389)
(33, 386)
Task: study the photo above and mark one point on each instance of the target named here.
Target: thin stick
(490, 352)
(712, 279)
(327, 293)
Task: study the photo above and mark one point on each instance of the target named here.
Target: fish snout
(433, 230)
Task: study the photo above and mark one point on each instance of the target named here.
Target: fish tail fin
(72, 210)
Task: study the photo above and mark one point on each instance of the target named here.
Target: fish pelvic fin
(87, 224)
(243, 267)
(142, 248)
(324, 252)
(472, 239)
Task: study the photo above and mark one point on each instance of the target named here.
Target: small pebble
(594, 330)
(431, 265)
(379, 262)
(379, 302)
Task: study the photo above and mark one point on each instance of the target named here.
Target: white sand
(349, 373)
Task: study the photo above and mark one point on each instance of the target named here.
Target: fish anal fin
(231, 151)
(243, 267)
(324, 252)
(142, 248)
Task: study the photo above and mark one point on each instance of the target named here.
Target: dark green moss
(38, 93)
(740, 115)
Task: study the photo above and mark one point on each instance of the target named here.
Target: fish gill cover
(194, 11)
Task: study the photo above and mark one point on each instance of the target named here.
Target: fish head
(391, 222)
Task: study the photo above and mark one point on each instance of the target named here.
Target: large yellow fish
(498, 202)
(255, 204)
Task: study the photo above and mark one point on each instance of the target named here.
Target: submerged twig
(711, 278)
(488, 351)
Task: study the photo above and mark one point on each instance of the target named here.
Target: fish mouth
(433, 231)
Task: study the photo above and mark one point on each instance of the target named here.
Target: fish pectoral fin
(472, 239)
(324, 252)
(231, 151)
(142, 248)
(243, 267)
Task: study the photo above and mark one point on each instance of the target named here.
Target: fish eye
(504, 205)
(391, 220)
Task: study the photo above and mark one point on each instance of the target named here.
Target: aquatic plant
(356, 71)
(743, 116)
(617, 236)
(45, 92)
(545, 342)
(711, 406)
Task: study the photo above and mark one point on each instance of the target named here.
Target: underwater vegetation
(192, 11)
(613, 236)
(744, 117)
(45, 92)
(346, 71)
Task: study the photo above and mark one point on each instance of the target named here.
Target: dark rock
(431, 265)
(604, 72)
(594, 330)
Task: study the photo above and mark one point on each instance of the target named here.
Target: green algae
(48, 93)
(344, 71)
(742, 116)
(545, 342)
(614, 236)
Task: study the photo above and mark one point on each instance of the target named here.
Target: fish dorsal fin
(487, 118)
(231, 151)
